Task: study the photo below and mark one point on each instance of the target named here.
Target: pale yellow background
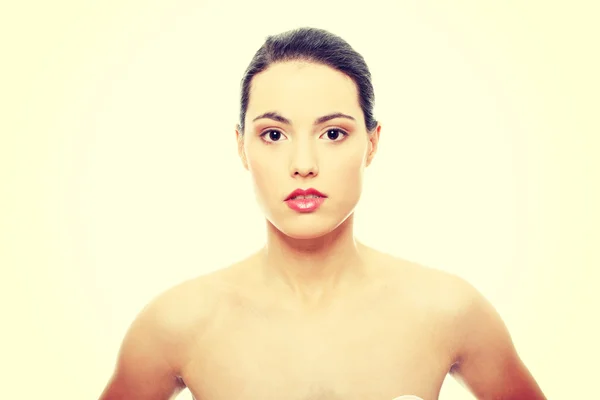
(119, 175)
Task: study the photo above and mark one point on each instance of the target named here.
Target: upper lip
(304, 192)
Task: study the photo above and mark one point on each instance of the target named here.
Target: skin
(316, 314)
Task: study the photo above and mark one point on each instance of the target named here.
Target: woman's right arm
(143, 370)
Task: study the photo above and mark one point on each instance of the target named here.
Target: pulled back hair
(317, 46)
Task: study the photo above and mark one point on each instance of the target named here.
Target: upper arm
(487, 361)
(145, 369)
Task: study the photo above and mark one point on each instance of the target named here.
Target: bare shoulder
(479, 346)
(184, 309)
(465, 317)
(438, 290)
(462, 325)
(452, 296)
(158, 342)
(444, 301)
(178, 308)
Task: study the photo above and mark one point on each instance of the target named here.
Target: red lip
(302, 192)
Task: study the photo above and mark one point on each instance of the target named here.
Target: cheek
(265, 175)
(347, 173)
(352, 162)
(259, 170)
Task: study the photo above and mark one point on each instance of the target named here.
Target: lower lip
(305, 205)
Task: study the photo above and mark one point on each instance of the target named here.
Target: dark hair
(312, 45)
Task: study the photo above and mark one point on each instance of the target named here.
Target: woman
(315, 314)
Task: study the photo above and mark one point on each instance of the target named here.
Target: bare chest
(368, 352)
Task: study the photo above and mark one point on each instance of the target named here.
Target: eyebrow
(278, 117)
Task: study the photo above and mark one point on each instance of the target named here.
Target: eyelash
(343, 132)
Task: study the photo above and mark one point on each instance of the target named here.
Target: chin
(307, 226)
(304, 234)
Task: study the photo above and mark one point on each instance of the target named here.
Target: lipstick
(307, 200)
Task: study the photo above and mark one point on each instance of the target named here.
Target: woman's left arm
(487, 361)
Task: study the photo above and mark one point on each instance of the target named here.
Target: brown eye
(334, 134)
(272, 136)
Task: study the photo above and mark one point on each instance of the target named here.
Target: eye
(334, 133)
(273, 135)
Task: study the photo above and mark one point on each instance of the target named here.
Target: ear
(373, 143)
(239, 138)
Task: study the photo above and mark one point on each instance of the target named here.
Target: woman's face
(291, 148)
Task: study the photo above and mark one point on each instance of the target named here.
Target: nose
(304, 160)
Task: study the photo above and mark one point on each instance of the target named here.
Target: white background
(120, 178)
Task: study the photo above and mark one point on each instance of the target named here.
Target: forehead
(303, 89)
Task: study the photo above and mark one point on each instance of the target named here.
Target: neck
(314, 268)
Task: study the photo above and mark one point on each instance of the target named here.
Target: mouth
(305, 204)
(301, 194)
(305, 201)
